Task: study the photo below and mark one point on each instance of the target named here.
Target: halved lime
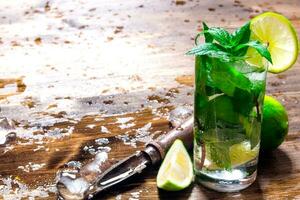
(176, 171)
(278, 34)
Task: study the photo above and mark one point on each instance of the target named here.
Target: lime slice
(176, 171)
(277, 32)
(241, 153)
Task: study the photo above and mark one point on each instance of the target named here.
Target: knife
(70, 185)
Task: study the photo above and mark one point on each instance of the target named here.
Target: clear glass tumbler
(227, 122)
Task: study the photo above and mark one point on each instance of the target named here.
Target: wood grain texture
(74, 71)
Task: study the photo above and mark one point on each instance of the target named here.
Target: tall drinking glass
(227, 122)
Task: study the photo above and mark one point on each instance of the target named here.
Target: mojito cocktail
(228, 114)
(230, 79)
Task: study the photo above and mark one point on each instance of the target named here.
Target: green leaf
(217, 150)
(200, 78)
(212, 50)
(241, 35)
(205, 49)
(218, 143)
(219, 153)
(260, 48)
(221, 36)
(208, 37)
(244, 101)
(227, 78)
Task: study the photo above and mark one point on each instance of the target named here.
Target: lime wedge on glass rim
(176, 171)
(278, 34)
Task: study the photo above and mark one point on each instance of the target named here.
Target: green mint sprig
(221, 44)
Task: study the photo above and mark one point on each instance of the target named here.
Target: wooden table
(75, 71)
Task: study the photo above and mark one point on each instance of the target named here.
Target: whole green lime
(275, 124)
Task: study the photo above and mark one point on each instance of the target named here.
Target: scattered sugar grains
(12, 189)
(99, 148)
(179, 115)
(74, 164)
(124, 126)
(104, 129)
(102, 141)
(31, 167)
(94, 150)
(39, 147)
(91, 126)
(97, 119)
(124, 122)
(141, 135)
(135, 195)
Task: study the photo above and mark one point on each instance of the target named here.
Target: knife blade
(153, 154)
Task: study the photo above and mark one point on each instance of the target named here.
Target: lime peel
(275, 124)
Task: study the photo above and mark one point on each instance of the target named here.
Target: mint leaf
(218, 143)
(200, 78)
(208, 37)
(260, 48)
(219, 153)
(220, 35)
(222, 83)
(227, 78)
(228, 47)
(244, 101)
(241, 35)
(212, 50)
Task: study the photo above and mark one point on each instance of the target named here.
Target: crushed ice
(99, 159)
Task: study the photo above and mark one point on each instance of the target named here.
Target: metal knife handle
(183, 132)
